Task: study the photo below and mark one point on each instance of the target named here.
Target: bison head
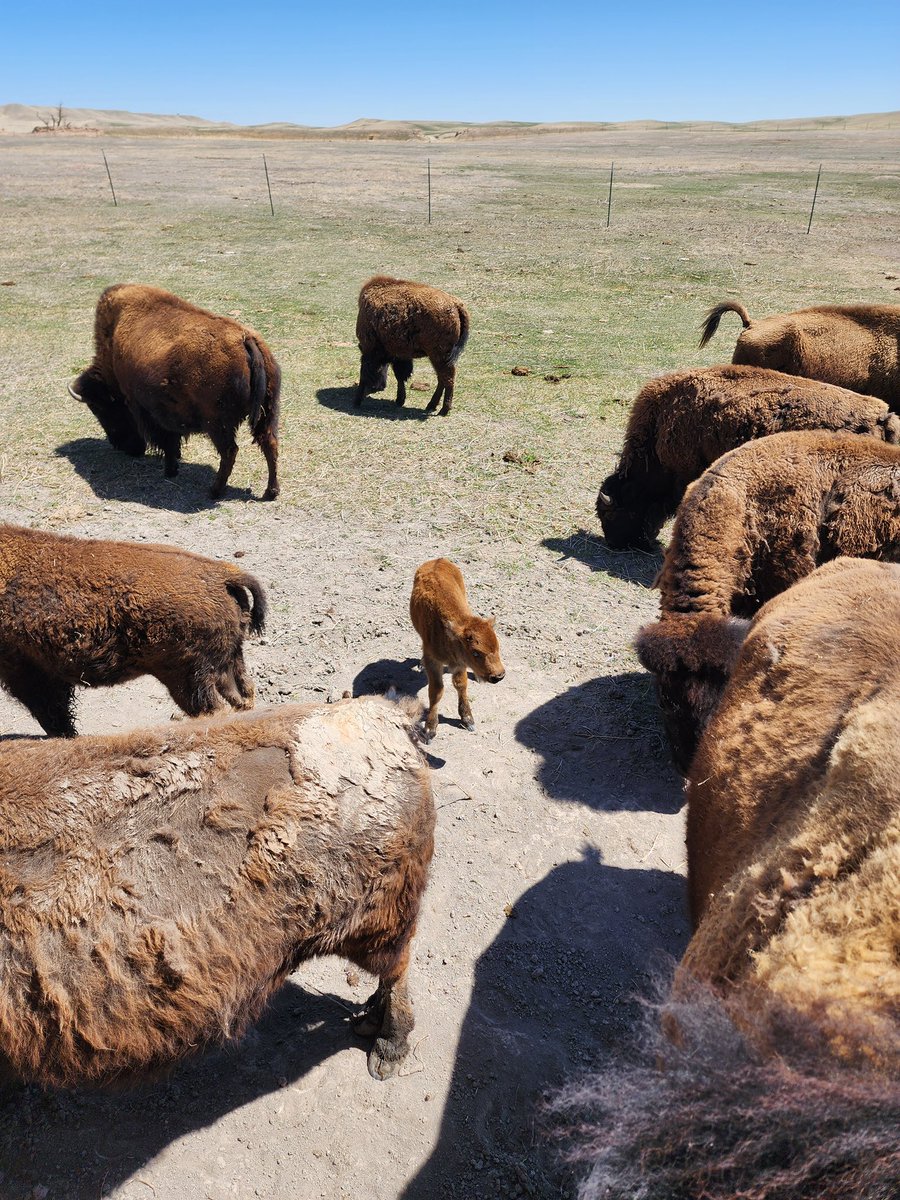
(373, 374)
(692, 657)
(481, 647)
(631, 518)
(111, 411)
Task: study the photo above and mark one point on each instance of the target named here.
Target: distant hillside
(23, 118)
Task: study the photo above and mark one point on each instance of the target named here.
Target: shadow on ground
(112, 475)
(375, 678)
(602, 744)
(341, 400)
(553, 996)
(589, 548)
(82, 1145)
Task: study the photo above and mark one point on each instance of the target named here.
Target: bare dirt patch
(557, 880)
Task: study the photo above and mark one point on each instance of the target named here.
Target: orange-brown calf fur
(794, 812)
(759, 519)
(681, 423)
(399, 320)
(164, 369)
(76, 612)
(156, 887)
(452, 636)
(856, 346)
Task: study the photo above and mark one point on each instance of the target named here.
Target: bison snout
(496, 678)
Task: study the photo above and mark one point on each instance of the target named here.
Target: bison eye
(477, 654)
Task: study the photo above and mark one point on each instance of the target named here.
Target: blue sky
(326, 64)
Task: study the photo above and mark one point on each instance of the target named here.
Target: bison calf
(762, 517)
(158, 886)
(680, 423)
(452, 636)
(856, 346)
(164, 369)
(398, 321)
(82, 613)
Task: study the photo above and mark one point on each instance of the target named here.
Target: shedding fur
(856, 346)
(399, 321)
(157, 887)
(681, 423)
(83, 613)
(771, 1070)
(164, 369)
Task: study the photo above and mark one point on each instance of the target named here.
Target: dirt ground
(557, 891)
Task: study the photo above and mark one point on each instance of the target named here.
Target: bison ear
(453, 628)
(491, 622)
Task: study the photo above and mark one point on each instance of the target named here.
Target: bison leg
(403, 369)
(171, 447)
(50, 701)
(243, 681)
(226, 444)
(388, 1014)
(228, 689)
(193, 689)
(435, 399)
(435, 672)
(268, 443)
(461, 683)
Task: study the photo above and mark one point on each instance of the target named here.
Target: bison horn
(74, 394)
(604, 504)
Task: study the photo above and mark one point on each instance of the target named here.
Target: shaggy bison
(778, 1077)
(452, 636)
(856, 346)
(164, 369)
(680, 423)
(399, 321)
(83, 613)
(759, 519)
(157, 887)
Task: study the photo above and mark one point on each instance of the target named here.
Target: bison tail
(463, 335)
(714, 316)
(236, 586)
(707, 1113)
(265, 390)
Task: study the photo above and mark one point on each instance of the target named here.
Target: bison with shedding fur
(157, 887)
(855, 346)
(771, 1070)
(762, 517)
(681, 423)
(76, 612)
(398, 321)
(164, 369)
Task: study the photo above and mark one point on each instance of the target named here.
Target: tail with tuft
(714, 316)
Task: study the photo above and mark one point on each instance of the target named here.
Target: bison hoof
(386, 1059)
(271, 493)
(428, 733)
(469, 724)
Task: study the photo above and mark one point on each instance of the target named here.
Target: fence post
(815, 193)
(268, 185)
(109, 177)
(609, 199)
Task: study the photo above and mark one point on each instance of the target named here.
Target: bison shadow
(341, 400)
(636, 566)
(553, 996)
(376, 678)
(603, 744)
(112, 475)
(82, 1144)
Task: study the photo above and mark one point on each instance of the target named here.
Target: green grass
(518, 232)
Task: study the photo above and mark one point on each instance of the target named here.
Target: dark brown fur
(83, 613)
(759, 519)
(452, 636)
(398, 321)
(779, 1078)
(158, 886)
(164, 369)
(681, 423)
(856, 346)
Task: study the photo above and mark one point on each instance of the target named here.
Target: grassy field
(518, 230)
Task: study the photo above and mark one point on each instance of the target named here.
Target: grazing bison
(157, 887)
(164, 369)
(856, 346)
(84, 613)
(773, 1074)
(398, 321)
(452, 636)
(759, 519)
(680, 423)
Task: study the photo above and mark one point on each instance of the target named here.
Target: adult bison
(682, 422)
(773, 1071)
(156, 887)
(855, 346)
(164, 369)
